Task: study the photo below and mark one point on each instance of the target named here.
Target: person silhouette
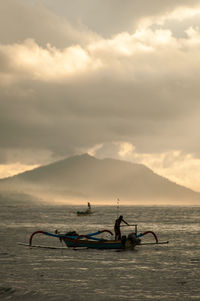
(117, 227)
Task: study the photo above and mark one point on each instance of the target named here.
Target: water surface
(162, 272)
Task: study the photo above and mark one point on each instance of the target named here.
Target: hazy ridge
(85, 177)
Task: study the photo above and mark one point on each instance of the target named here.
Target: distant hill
(84, 177)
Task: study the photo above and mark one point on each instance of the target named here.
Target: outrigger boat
(88, 211)
(82, 213)
(75, 240)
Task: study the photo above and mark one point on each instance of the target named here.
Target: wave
(10, 293)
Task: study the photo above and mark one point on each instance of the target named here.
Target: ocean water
(150, 272)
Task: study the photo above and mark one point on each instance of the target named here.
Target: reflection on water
(164, 272)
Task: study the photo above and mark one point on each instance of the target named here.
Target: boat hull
(74, 240)
(80, 213)
(100, 244)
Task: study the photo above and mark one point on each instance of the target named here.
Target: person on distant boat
(117, 227)
(89, 208)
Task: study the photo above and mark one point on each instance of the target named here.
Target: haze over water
(162, 272)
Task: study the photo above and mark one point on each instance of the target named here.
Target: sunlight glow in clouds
(174, 165)
(92, 151)
(126, 149)
(8, 170)
(179, 14)
(29, 59)
(52, 64)
(180, 168)
(49, 63)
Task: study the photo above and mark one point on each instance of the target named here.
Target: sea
(149, 272)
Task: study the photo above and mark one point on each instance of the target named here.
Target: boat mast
(118, 200)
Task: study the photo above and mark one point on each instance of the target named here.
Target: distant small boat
(86, 212)
(80, 213)
(75, 240)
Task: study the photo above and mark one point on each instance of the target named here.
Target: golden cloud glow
(180, 168)
(179, 14)
(49, 63)
(92, 151)
(126, 149)
(8, 170)
(28, 59)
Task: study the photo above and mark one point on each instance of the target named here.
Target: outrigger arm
(61, 236)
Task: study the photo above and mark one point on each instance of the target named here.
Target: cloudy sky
(113, 78)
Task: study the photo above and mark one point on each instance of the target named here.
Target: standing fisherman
(117, 227)
(89, 208)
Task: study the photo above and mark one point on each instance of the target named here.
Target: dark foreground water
(162, 272)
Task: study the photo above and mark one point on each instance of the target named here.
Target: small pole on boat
(118, 207)
(136, 230)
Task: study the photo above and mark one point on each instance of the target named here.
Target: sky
(111, 78)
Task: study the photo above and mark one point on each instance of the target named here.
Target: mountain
(85, 178)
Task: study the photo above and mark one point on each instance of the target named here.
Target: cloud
(30, 60)
(135, 83)
(181, 168)
(21, 20)
(68, 87)
(108, 18)
(175, 165)
(8, 170)
(180, 14)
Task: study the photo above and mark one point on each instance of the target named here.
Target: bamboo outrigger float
(75, 240)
